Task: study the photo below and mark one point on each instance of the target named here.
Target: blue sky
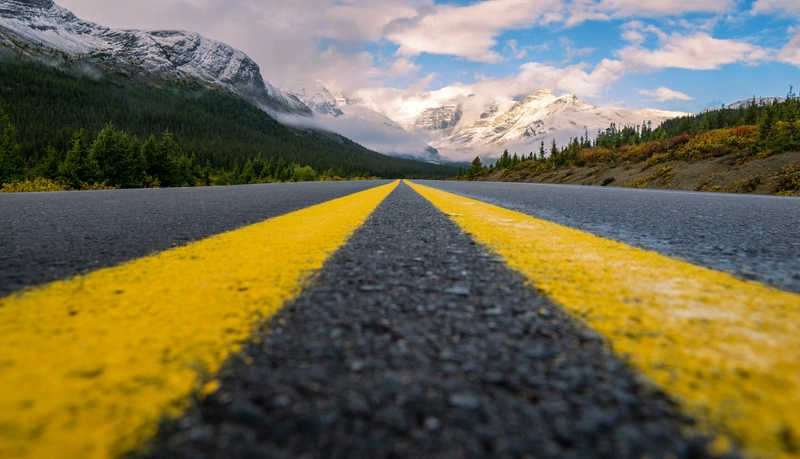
(685, 55)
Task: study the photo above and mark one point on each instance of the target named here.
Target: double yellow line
(88, 366)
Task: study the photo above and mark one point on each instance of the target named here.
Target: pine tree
(12, 166)
(476, 167)
(48, 167)
(751, 113)
(168, 153)
(111, 151)
(79, 167)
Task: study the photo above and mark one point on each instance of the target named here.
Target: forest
(752, 130)
(69, 130)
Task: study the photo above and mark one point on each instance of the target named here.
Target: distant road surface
(757, 237)
(405, 319)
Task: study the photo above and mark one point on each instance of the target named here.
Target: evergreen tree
(476, 167)
(111, 153)
(790, 115)
(12, 166)
(169, 162)
(751, 113)
(766, 123)
(48, 167)
(79, 167)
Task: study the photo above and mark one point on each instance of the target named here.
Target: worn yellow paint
(88, 366)
(728, 350)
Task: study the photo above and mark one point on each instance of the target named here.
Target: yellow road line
(88, 366)
(728, 350)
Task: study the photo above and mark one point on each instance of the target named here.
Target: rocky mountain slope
(44, 30)
(368, 127)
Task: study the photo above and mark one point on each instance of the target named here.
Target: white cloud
(790, 53)
(403, 67)
(467, 31)
(664, 94)
(574, 78)
(697, 51)
(789, 7)
(282, 36)
(404, 105)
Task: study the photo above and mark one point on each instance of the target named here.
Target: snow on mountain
(368, 127)
(42, 29)
(758, 101)
(443, 118)
(524, 124)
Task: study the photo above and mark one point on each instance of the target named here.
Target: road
(754, 236)
(50, 236)
(432, 326)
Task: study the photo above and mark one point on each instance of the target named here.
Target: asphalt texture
(415, 342)
(50, 236)
(754, 237)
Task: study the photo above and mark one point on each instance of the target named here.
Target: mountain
(44, 30)
(759, 101)
(48, 104)
(520, 126)
(368, 127)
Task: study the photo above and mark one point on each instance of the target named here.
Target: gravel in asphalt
(755, 237)
(50, 236)
(414, 342)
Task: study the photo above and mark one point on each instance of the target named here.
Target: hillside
(46, 31)
(48, 105)
(746, 149)
(778, 174)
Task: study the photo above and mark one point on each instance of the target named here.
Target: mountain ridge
(44, 30)
(541, 116)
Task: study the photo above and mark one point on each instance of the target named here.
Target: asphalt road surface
(414, 340)
(755, 237)
(50, 236)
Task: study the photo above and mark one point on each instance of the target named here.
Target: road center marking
(728, 350)
(88, 366)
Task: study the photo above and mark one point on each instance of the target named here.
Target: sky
(685, 55)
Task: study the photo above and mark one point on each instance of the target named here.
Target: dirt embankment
(777, 174)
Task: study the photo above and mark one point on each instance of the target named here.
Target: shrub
(789, 181)
(749, 184)
(716, 143)
(594, 156)
(38, 184)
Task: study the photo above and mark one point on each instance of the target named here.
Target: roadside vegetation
(712, 151)
(64, 130)
(116, 160)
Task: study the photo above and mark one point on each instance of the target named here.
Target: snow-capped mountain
(758, 101)
(443, 118)
(333, 112)
(520, 126)
(42, 29)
